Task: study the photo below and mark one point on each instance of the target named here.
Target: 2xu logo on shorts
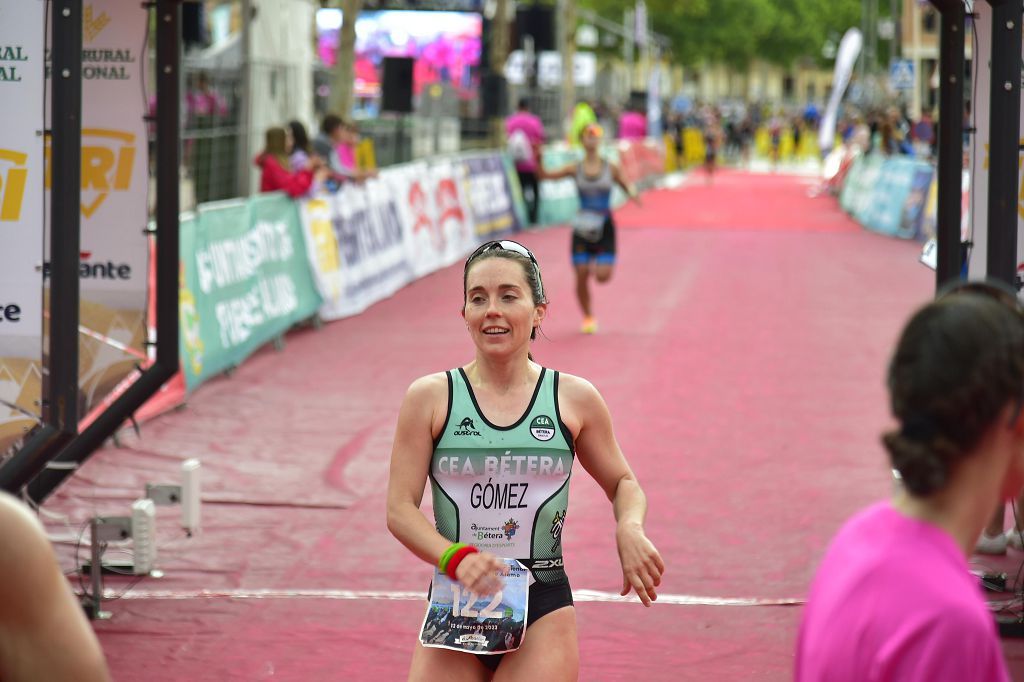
(547, 563)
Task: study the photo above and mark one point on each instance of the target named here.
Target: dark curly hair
(958, 364)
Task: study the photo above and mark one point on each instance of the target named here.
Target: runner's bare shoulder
(577, 398)
(429, 388)
(427, 398)
(574, 388)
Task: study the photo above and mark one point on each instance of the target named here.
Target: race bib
(589, 225)
(464, 621)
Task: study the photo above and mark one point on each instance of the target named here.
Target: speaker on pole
(396, 85)
(493, 95)
(538, 22)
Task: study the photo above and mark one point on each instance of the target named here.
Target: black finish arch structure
(58, 449)
(60, 390)
(1004, 135)
(950, 146)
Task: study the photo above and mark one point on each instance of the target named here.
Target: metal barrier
(212, 136)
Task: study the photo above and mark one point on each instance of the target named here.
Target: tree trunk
(567, 26)
(499, 37)
(343, 77)
(497, 57)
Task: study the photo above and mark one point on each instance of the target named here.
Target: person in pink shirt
(632, 124)
(346, 150)
(893, 599)
(525, 134)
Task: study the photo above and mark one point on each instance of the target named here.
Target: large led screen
(446, 47)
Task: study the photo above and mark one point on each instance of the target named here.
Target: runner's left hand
(642, 565)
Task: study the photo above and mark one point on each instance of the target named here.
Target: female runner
(506, 424)
(593, 234)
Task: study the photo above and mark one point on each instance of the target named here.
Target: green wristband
(442, 563)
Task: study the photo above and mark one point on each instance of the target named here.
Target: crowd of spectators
(300, 166)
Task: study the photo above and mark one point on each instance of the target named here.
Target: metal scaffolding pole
(950, 144)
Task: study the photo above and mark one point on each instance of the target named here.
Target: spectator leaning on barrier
(346, 147)
(326, 142)
(525, 134)
(347, 156)
(276, 167)
(335, 134)
(302, 151)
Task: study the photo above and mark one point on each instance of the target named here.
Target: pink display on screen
(445, 45)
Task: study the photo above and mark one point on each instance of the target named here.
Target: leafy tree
(734, 32)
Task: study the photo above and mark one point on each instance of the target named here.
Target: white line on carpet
(399, 595)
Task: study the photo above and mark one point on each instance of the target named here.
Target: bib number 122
(471, 598)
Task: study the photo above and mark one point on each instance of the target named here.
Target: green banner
(245, 279)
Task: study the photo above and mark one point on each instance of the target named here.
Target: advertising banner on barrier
(490, 196)
(22, 89)
(114, 203)
(439, 227)
(887, 194)
(356, 238)
(856, 195)
(245, 280)
(883, 209)
(911, 223)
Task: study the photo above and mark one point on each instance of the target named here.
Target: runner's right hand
(479, 572)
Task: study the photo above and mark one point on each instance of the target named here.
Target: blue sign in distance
(901, 74)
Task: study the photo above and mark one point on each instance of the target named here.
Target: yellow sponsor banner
(108, 162)
(12, 184)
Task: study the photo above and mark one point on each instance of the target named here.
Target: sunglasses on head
(506, 245)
